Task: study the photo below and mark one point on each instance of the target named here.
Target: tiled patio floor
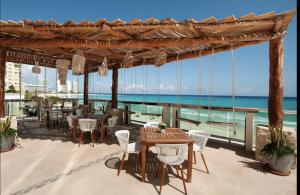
(48, 163)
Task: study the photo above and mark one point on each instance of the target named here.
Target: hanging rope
(199, 84)
(233, 87)
(211, 81)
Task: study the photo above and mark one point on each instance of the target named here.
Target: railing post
(166, 114)
(249, 131)
(175, 116)
(127, 116)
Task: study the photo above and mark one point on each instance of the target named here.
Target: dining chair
(200, 139)
(112, 124)
(71, 128)
(173, 155)
(126, 147)
(87, 125)
(43, 116)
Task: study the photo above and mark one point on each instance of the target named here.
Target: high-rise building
(13, 76)
(74, 87)
(61, 88)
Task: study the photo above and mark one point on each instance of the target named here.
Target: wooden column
(2, 81)
(86, 87)
(114, 88)
(249, 131)
(275, 103)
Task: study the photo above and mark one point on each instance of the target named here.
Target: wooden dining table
(149, 136)
(101, 118)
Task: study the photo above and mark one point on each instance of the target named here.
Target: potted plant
(279, 151)
(162, 126)
(7, 135)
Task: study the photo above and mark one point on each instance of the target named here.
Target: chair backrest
(172, 154)
(70, 121)
(112, 121)
(200, 137)
(123, 139)
(53, 114)
(87, 124)
(151, 124)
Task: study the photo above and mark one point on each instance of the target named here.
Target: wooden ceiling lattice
(47, 41)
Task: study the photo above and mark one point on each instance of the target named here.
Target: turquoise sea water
(289, 104)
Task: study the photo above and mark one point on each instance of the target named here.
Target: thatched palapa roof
(45, 41)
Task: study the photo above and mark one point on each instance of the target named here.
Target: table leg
(48, 120)
(102, 131)
(143, 166)
(190, 163)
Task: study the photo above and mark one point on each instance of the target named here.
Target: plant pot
(7, 143)
(282, 164)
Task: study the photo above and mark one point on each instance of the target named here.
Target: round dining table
(101, 118)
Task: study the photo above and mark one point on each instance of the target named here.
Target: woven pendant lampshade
(103, 70)
(36, 69)
(78, 62)
(62, 69)
(128, 60)
(161, 58)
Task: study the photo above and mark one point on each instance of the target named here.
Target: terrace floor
(47, 162)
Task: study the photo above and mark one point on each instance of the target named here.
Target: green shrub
(5, 129)
(279, 145)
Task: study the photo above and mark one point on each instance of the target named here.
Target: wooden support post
(175, 116)
(127, 114)
(249, 132)
(114, 88)
(275, 103)
(2, 82)
(86, 87)
(166, 114)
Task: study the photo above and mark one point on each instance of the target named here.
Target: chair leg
(81, 135)
(92, 132)
(195, 157)
(162, 178)
(204, 162)
(158, 169)
(177, 170)
(183, 180)
(122, 162)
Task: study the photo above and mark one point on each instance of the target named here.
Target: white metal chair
(200, 137)
(112, 124)
(71, 127)
(126, 147)
(174, 155)
(87, 125)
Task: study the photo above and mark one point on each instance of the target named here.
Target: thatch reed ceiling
(46, 41)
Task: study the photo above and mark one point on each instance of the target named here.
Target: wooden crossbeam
(138, 44)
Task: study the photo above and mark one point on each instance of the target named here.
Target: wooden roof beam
(139, 44)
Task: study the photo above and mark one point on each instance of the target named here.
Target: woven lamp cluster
(128, 60)
(78, 62)
(103, 70)
(62, 69)
(36, 68)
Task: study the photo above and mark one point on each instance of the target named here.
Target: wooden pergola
(46, 41)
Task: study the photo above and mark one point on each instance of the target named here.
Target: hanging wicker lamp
(78, 62)
(161, 58)
(103, 70)
(62, 69)
(128, 60)
(36, 69)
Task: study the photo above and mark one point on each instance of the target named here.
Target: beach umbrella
(161, 58)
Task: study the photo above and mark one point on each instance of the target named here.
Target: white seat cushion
(133, 147)
(197, 148)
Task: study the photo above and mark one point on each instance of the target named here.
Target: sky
(251, 63)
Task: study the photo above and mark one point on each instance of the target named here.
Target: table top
(152, 135)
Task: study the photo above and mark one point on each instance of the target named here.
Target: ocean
(289, 104)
